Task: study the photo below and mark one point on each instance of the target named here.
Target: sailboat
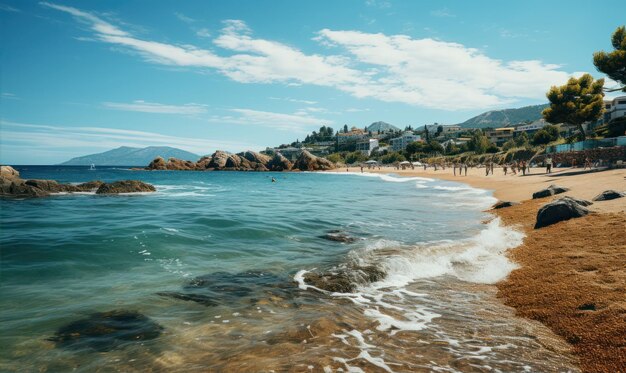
(93, 167)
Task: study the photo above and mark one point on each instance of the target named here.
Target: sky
(81, 77)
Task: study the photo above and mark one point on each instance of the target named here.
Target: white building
(532, 127)
(614, 108)
(367, 146)
(355, 134)
(400, 143)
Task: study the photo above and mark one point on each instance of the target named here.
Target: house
(355, 134)
(531, 128)
(614, 108)
(500, 135)
(367, 146)
(400, 143)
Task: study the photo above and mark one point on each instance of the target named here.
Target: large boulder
(233, 161)
(218, 160)
(308, 162)
(549, 191)
(279, 163)
(203, 163)
(559, 210)
(175, 164)
(609, 195)
(344, 280)
(50, 186)
(8, 172)
(157, 164)
(582, 202)
(256, 157)
(125, 186)
(18, 188)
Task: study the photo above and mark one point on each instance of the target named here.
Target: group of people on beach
(521, 167)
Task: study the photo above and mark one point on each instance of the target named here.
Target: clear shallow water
(67, 256)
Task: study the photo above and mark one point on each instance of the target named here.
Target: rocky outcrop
(125, 186)
(90, 186)
(559, 210)
(609, 195)
(9, 173)
(338, 236)
(255, 157)
(105, 331)
(549, 191)
(203, 163)
(157, 164)
(308, 162)
(18, 188)
(218, 160)
(279, 163)
(503, 204)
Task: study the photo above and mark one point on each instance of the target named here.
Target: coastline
(571, 276)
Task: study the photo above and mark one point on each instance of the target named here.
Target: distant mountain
(382, 127)
(127, 156)
(506, 117)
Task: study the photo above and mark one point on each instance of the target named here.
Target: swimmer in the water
(273, 180)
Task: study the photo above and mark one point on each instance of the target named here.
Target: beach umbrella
(371, 161)
(417, 164)
(405, 162)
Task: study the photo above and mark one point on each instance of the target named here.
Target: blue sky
(81, 77)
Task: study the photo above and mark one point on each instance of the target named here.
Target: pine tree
(613, 63)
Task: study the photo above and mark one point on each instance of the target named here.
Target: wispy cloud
(443, 12)
(36, 137)
(152, 107)
(390, 68)
(9, 96)
(308, 102)
(381, 4)
(355, 110)
(184, 18)
(8, 8)
(280, 121)
(203, 33)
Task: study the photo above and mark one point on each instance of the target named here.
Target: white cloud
(184, 18)
(308, 102)
(203, 33)
(382, 4)
(444, 12)
(36, 137)
(9, 96)
(151, 107)
(280, 121)
(390, 68)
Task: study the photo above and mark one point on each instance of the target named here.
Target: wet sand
(572, 275)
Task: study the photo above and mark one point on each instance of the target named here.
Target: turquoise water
(67, 256)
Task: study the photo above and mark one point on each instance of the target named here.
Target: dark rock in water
(105, 331)
(338, 236)
(202, 299)
(582, 202)
(559, 210)
(125, 186)
(49, 186)
(344, 280)
(549, 191)
(18, 188)
(609, 195)
(503, 204)
(227, 288)
(89, 186)
(157, 163)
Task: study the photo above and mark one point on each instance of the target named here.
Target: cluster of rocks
(12, 185)
(344, 280)
(245, 161)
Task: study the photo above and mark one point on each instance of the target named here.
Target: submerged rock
(503, 204)
(125, 186)
(609, 195)
(105, 331)
(308, 162)
(344, 280)
(90, 186)
(559, 210)
(227, 288)
(338, 236)
(549, 191)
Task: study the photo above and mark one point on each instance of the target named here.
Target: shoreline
(571, 275)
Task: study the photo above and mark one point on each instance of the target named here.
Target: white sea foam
(385, 177)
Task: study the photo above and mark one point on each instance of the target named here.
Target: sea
(250, 242)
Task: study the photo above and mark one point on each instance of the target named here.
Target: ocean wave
(385, 177)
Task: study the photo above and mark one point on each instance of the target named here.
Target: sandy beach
(571, 275)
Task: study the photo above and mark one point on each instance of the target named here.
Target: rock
(308, 162)
(18, 188)
(503, 204)
(105, 331)
(157, 164)
(89, 186)
(338, 236)
(609, 195)
(8, 172)
(549, 191)
(175, 164)
(233, 161)
(49, 186)
(279, 163)
(255, 157)
(198, 298)
(559, 210)
(125, 186)
(203, 163)
(582, 202)
(344, 280)
(218, 160)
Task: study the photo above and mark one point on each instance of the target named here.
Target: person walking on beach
(523, 164)
(504, 168)
(361, 169)
(587, 163)
(454, 168)
(465, 166)
(549, 165)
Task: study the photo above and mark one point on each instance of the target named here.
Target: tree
(522, 140)
(427, 135)
(577, 102)
(345, 128)
(392, 157)
(541, 137)
(439, 130)
(355, 157)
(478, 142)
(613, 64)
(553, 131)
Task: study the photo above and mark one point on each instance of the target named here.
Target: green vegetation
(577, 102)
(324, 134)
(613, 64)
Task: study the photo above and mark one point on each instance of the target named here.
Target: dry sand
(572, 274)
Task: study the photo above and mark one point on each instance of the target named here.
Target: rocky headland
(244, 161)
(12, 185)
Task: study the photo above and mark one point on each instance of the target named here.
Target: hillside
(127, 156)
(506, 117)
(382, 127)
